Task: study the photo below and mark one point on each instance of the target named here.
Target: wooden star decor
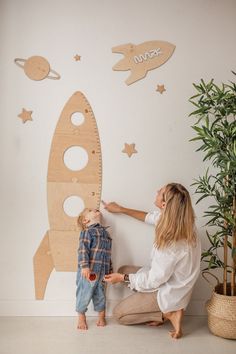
(129, 149)
(160, 88)
(25, 115)
(77, 57)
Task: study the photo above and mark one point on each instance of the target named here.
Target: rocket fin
(136, 75)
(121, 65)
(123, 49)
(43, 266)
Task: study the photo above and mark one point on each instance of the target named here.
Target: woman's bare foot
(154, 323)
(82, 324)
(101, 322)
(175, 318)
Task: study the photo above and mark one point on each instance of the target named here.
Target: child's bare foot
(101, 322)
(175, 318)
(82, 324)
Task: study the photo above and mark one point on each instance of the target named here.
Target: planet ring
(57, 76)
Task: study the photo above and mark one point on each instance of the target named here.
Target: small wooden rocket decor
(139, 59)
(37, 68)
(58, 248)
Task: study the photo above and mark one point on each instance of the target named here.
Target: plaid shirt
(95, 249)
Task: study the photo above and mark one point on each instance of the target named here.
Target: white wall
(204, 34)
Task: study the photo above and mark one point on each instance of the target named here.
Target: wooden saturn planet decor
(58, 248)
(37, 68)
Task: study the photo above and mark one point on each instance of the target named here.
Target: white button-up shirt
(172, 271)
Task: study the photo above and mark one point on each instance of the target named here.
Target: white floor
(58, 335)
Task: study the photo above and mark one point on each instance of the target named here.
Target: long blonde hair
(177, 220)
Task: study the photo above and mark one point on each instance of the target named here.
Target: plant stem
(232, 282)
(233, 247)
(225, 252)
(225, 265)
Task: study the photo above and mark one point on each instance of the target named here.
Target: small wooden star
(160, 88)
(25, 115)
(129, 149)
(77, 57)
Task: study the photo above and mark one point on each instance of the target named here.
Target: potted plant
(215, 129)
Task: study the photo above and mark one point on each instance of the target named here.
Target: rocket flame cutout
(58, 248)
(139, 59)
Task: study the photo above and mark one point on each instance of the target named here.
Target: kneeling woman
(163, 290)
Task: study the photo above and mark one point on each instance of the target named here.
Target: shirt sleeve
(162, 267)
(84, 249)
(152, 217)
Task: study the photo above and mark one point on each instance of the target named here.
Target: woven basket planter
(221, 311)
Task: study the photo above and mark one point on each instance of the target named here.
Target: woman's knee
(117, 314)
(128, 269)
(123, 269)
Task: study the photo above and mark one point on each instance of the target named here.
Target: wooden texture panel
(58, 192)
(64, 246)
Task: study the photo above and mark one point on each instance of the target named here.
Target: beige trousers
(139, 307)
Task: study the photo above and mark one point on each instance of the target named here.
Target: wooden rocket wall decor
(58, 248)
(139, 59)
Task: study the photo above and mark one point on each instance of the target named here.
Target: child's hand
(85, 273)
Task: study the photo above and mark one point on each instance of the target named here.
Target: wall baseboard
(67, 308)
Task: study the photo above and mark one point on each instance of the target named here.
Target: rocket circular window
(75, 158)
(73, 206)
(77, 118)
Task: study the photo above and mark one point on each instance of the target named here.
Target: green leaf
(233, 252)
(201, 198)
